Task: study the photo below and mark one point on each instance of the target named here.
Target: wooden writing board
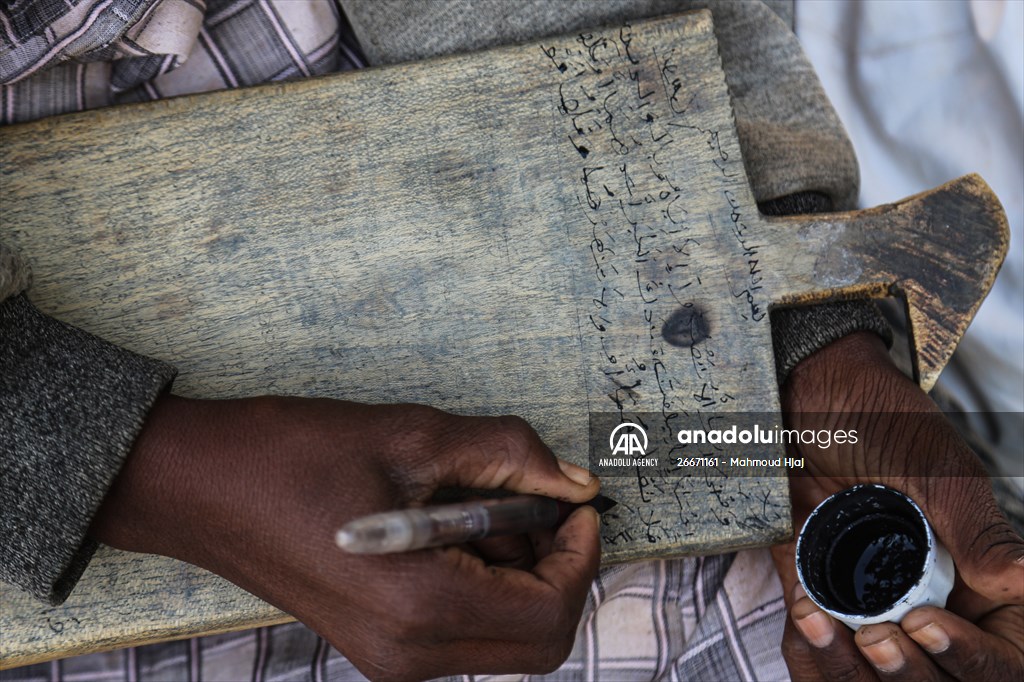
(548, 230)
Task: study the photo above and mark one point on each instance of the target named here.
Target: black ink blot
(686, 326)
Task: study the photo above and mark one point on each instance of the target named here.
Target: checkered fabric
(712, 618)
(58, 56)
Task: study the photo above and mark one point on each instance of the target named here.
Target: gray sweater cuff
(799, 332)
(71, 406)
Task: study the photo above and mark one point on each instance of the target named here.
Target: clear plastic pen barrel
(410, 529)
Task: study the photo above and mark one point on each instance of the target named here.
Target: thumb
(505, 452)
(573, 562)
(988, 553)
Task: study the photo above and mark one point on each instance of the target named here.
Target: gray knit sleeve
(71, 405)
(799, 332)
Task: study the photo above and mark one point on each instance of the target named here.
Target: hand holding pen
(256, 489)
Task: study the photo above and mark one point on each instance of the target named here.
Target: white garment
(930, 91)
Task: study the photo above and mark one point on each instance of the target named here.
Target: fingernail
(579, 475)
(886, 655)
(817, 628)
(931, 637)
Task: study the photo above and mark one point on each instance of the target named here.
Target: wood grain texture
(939, 250)
(527, 230)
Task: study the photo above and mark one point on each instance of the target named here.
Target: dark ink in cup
(868, 553)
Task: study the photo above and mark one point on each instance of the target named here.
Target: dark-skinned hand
(254, 490)
(907, 444)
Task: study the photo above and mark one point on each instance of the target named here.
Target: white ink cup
(868, 555)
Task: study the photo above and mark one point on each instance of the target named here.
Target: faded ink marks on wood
(502, 227)
(659, 196)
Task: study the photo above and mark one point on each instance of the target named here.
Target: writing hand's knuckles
(410, 628)
(418, 448)
(512, 438)
(457, 605)
(512, 441)
(494, 451)
(455, 613)
(510, 613)
(414, 430)
(515, 425)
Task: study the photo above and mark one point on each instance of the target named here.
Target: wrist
(205, 479)
(142, 511)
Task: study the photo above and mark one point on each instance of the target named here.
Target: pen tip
(602, 503)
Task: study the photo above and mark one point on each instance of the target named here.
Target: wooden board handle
(940, 249)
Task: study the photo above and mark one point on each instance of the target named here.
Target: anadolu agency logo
(628, 443)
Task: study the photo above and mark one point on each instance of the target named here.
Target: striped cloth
(709, 619)
(58, 56)
(713, 618)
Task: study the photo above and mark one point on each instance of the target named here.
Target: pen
(451, 524)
